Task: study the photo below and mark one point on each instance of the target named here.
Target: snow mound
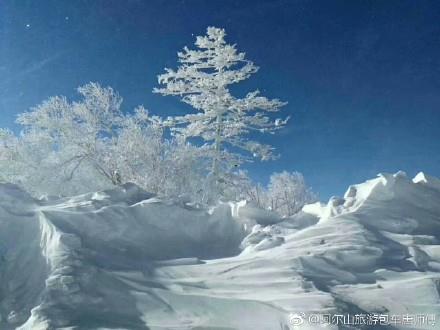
(55, 251)
(427, 180)
(254, 215)
(123, 259)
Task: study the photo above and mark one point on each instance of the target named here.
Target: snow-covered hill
(123, 259)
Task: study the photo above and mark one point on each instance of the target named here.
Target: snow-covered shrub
(287, 193)
(71, 143)
(241, 187)
(73, 147)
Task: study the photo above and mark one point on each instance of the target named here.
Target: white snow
(124, 259)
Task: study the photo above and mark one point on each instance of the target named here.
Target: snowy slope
(123, 259)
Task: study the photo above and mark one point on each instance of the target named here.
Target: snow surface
(124, 259)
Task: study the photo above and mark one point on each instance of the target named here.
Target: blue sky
(362, 78)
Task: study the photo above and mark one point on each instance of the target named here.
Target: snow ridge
(125, 259)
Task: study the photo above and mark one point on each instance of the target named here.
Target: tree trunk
(217, 149)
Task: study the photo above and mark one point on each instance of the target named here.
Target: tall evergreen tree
(202, 80)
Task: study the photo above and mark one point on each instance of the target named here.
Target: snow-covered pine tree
(202, 80)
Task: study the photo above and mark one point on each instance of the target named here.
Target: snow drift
(124, 259)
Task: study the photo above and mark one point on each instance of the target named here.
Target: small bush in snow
(288, 193)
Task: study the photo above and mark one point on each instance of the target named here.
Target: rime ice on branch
(202, 80)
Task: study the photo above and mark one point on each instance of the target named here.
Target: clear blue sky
(362, 78)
